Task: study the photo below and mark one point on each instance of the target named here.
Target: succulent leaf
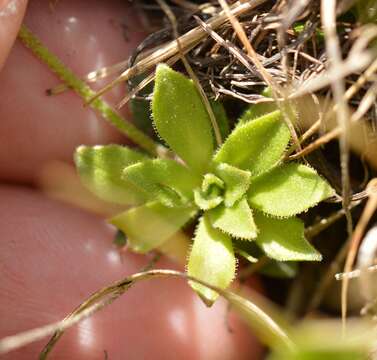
(236, 221)
(236, 182)
(150, 225)
(283, 239)
(164, 179)
(100, 169)
(181, 118)
(205, 202)
(211, 181)
(211, 260)
(257, 145)
(210, 194)
(288, 190)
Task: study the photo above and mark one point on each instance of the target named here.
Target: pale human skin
(52, 255)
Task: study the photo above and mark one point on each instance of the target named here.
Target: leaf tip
(205, 294)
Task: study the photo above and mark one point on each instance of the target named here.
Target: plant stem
(83, 90)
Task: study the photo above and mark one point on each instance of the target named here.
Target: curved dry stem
(323, 224)
(267, 328)
(357, 236)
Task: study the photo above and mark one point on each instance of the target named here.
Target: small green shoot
(241, 190)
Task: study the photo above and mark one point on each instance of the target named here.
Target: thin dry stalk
(325, 223)
(246, 43)
(327, 278)
(328, 16)
(187, 41)
(357, 236)
(276, 91)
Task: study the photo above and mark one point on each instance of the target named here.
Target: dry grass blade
(366, 103)
(323, 224)
(233, 49)
(354, 274)
(276, 91)
(187, 41)
(349, 66)
(364, 271)
(246, 43)
(351, 92)
(328, 16)
(357, 236)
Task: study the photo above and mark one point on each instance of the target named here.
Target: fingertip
(11, 15)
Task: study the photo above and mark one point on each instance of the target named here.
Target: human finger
(52, 257)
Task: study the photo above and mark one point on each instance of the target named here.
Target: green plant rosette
(238, 190)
